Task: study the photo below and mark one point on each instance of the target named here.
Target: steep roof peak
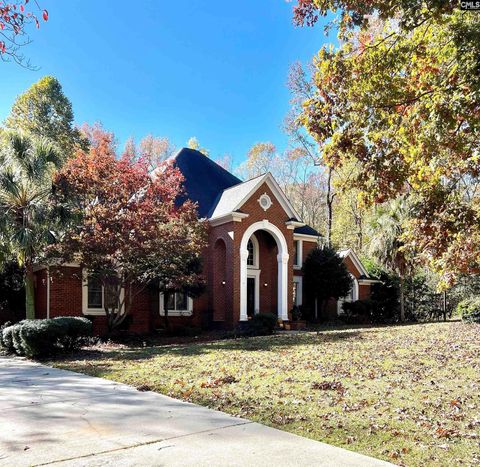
(205, 180)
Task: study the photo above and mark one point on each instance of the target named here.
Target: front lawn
(407, 394)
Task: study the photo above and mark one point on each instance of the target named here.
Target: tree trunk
(29, 292)
(166, 296)
(330, 197)
(402, 300)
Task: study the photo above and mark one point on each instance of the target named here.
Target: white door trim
(255, 274)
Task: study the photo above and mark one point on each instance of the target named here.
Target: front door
(250, 296)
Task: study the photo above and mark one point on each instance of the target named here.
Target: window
(179, 304)
(96, 297)
(95, 293)
(252, 247)
(265, 201)
(297, 254)
(250, 259)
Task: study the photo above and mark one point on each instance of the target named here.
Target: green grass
(407, 394)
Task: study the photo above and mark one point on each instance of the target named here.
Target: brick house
(257, 243)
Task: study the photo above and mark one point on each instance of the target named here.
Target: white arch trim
(282, 259)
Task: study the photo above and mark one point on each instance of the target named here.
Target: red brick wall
(65, 291)
(219, 267)
(363, 291)
(218, 298)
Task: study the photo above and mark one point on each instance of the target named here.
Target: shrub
(7, 337)
(296, 313)
(2, 327)
(469, 310)
(262, 324)
(75, 331)
(39, 337)
(358, 312)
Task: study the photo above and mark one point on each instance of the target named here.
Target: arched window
(252, 247)
(251, 253)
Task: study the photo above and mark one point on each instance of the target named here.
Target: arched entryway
(282, 268)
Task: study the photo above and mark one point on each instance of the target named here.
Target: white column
(243, 284)
(282, 259)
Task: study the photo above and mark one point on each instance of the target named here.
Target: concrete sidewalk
(51, 416)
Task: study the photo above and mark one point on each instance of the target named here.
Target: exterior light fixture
(223, 282)
(265, 285)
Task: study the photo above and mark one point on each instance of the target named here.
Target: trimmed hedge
(261, 324)
(358, 312)
(469, 310)
(39, 337)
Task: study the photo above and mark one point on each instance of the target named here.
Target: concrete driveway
(50, 416)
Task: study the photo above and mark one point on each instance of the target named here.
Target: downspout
(48, 292)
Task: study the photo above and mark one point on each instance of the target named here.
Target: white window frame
(187, 312)
(94, 311)
(256, 253)
(299, 297)
(354, 297)
(298, 260)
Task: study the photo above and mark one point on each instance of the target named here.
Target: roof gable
(355, 260)
(233, 198)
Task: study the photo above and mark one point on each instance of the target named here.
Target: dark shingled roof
(306, 230)
(204, 179)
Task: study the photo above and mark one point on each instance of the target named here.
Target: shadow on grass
(321, 334)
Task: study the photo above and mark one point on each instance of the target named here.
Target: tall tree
(400, 97)
(131, 233)
(260, 160)
(387, 246)
(16, 18)
(27, 217)
(44, 111)
(302, 89)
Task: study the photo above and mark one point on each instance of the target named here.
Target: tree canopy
(399, 100)
(325, 276)
(43, 110)
(129, 233)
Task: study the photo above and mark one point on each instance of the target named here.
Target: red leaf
(45, 15)
(22, 8)
(37, 23)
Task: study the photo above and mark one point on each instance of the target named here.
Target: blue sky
(212, 69)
